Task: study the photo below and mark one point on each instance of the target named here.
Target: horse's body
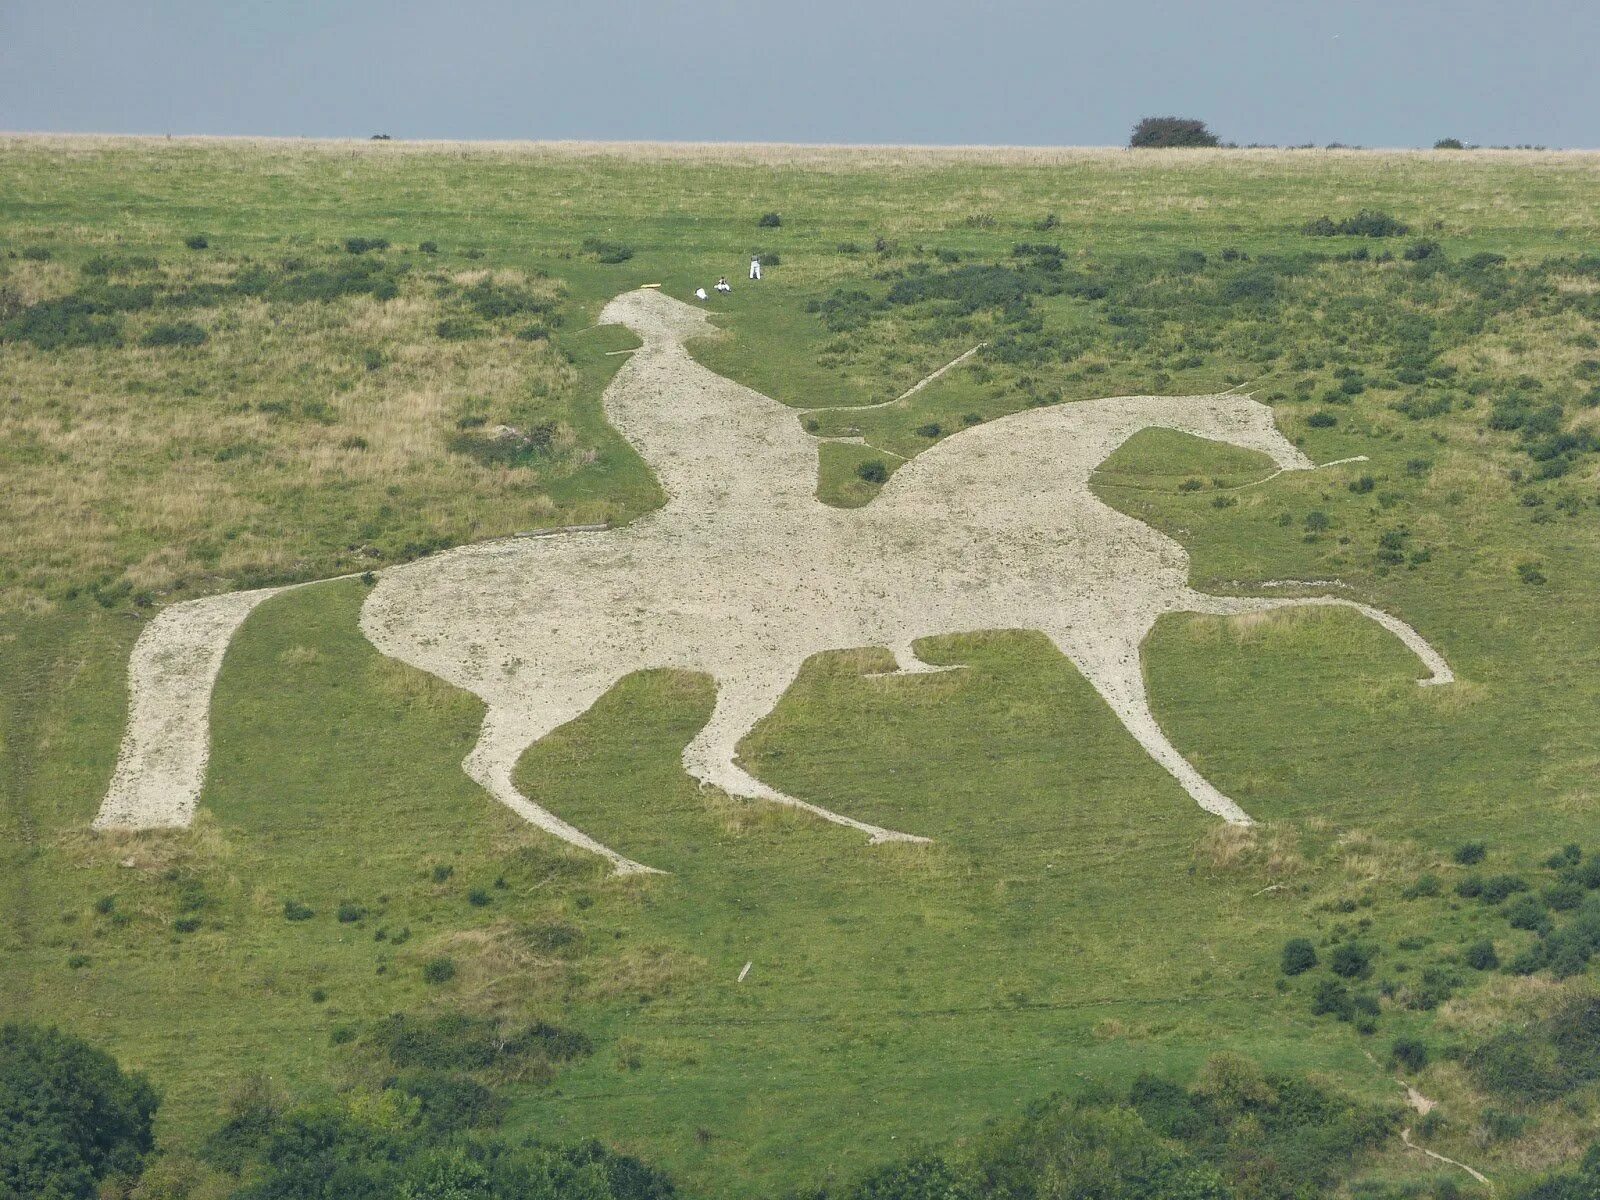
(744, 574)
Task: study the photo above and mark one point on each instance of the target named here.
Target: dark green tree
(1155, 132)
(69, 1116)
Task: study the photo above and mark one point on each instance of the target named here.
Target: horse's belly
(501, 620)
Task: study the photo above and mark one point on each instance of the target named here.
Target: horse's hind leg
(506, 734)
(1439, 671)
(1118, 675)
(712, 756)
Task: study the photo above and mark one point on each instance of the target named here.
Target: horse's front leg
(505, 737)
(712, 757)
(1111, 661)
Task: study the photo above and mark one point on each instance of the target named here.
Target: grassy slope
(1063, 927)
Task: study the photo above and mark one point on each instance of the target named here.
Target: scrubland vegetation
(223, 365)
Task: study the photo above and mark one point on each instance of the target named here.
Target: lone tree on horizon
(1171, 131)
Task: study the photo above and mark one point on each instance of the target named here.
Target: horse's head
(656, 317)
(1239, 421)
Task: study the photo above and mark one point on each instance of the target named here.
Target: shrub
(1363, 484)
(972, 287)
(64, 324)
(1158, 132)
(1528, 912)
(1299, 956)
(1519, 1064)
(1481, 955)
(607, 252)
(1529, 959)
(1470, 854)
(361, 245)
(505, 449)
(71, 1117)
(439, 970)
(458, 1042)
(459, 329)
(442, 872)
(1322, 419)
(186, 924)
(478, 898)
(1588, 874)
(493, 301)
(872, 471)
(1563, 896)
(428, 247)
(1436, 986)
(350, 912)
(1498, 887)
(1569, 855)
(293, 910)
(1369, 222)
(770, 220)
(931, 430)
(1425, 886)
(197, 241)
(1332, 999)
(451, 1101)
(1449, 143)
(1352, 960)
(1317, 522)
(178, 333)
(1567, 951)
(552, 937)
(1418, 251)
(1419, 406)
(1410, 1053)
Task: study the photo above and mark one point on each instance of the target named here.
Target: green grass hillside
(207, 384)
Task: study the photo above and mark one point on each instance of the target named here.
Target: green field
(1077, 919)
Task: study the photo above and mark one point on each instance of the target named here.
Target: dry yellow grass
(218, 461)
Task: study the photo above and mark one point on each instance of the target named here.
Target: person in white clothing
(755, 266)
(722, 284)
(700, 293)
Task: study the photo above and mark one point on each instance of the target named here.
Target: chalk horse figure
(743, 574)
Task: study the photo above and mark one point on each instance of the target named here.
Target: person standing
(755, 266)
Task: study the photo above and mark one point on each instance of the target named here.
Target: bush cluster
(70, 1119)
(1160, 132)
(459, 1042)
(1543, 1060)
(1369, 222)
(1239, 1133)
(407, 1140)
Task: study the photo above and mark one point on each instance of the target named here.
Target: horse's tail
(161, 766)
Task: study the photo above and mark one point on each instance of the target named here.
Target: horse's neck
(711, 442)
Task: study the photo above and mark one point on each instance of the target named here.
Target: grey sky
(1389, 73)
